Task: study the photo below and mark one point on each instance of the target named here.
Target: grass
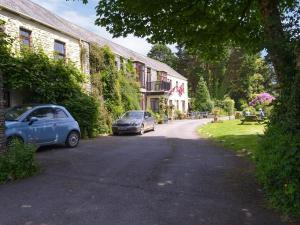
(233, 135)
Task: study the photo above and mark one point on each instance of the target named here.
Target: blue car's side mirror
(32, 120)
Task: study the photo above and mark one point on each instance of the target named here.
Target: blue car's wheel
(73, 139)
(14, 139)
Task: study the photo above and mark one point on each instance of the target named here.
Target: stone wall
(44, 37)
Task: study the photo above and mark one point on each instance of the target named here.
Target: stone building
(32, 25)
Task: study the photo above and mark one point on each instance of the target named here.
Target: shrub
(156, 116)
(217, 111)
(278, 169)
(85, 109)
(228, 106)
(17, 162)
(179, 115)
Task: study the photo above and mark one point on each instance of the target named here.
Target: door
(42, 131)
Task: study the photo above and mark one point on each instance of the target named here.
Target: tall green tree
(202, 101)
(163, 54)
(4, 52)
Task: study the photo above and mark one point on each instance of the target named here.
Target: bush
(229, 106)
(18, 162)
(85, 109)
(179, 115)
(278, 169)
(217, 111)
(157, 117)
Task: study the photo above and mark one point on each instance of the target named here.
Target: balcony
(158, 86)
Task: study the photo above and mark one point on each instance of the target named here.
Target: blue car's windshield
(133, 115)
(14, 114)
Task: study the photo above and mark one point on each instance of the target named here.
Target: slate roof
(29, 9)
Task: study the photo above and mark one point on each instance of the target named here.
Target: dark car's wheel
(115, 133)
(142, 131)
(73, 139)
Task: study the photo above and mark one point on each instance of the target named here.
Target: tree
(3, 53)
(2, 120)
(202, 101)
(163, 54)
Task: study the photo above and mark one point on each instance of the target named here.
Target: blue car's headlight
(135, 124)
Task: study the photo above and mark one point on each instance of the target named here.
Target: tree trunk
(281, 52)
(283, 55)
(2, 120)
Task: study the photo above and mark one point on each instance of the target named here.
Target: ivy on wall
(119, 88)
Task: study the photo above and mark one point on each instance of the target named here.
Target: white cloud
(51, 5)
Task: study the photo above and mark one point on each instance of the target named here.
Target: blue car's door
(62, 124)
(43, 130)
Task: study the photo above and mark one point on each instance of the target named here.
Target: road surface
(166, 177)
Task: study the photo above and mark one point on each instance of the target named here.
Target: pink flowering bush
(262, 99)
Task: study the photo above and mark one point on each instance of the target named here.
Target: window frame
(57, 54)
(28, 117)
(23, 37)
(154, 101)
(59, 109)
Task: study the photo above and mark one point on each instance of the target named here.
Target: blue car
(41, 125)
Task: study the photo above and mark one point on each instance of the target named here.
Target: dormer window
(59, 50)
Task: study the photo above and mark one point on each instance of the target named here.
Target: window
(60, 114)
(122, 61)
(176, 84)
(42, 113)
(148, 74)
(154, 104)
(148, 84)
(170, 102)
(2, 28)
(161, 76)
(25, 37)
(177, 104)
(59, 50)
(140, 70)
(183, 106)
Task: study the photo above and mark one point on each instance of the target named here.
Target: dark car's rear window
(133, 115)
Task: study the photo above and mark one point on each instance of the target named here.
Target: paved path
(166, 177)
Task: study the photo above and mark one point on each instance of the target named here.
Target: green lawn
(233, 135)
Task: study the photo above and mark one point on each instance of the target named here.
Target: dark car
(136, 121)
(41, 125)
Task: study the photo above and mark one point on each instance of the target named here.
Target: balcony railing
(158, 86)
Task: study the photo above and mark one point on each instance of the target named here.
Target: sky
(84, 15)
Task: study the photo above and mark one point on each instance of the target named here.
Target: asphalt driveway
(166, 177)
